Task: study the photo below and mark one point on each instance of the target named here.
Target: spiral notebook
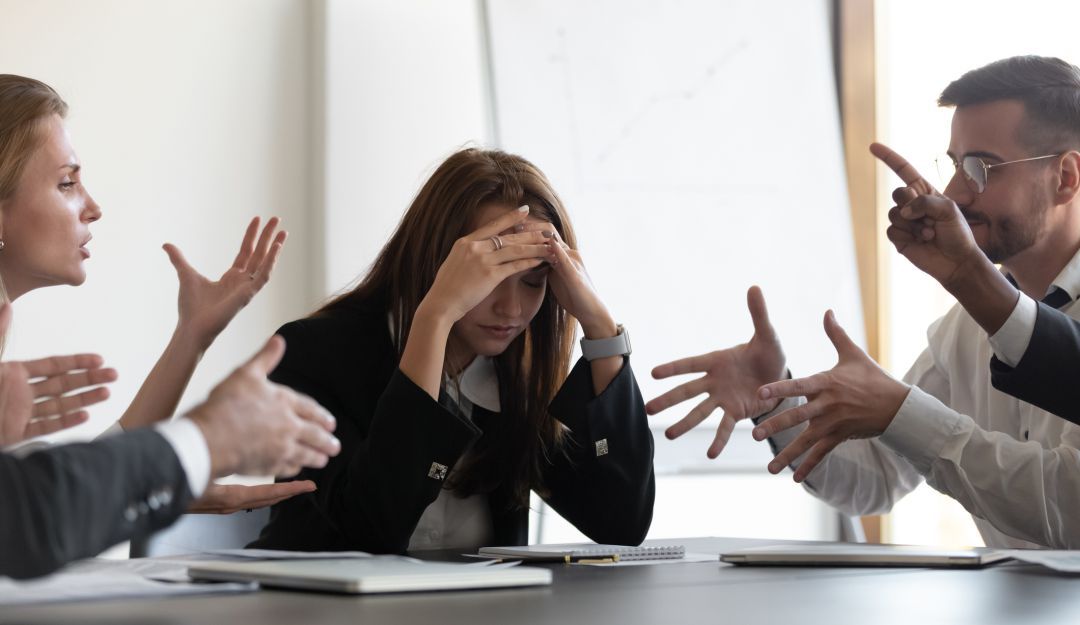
(585, 552)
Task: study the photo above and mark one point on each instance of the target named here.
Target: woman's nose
(92, 211)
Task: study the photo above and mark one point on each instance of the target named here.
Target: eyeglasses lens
(975, 172)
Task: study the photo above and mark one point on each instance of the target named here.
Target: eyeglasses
(976, 171)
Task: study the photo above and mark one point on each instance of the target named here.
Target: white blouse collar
(480, 384)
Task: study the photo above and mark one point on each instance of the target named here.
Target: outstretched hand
(230, 498)
(732, 378)
(35, 395)
(854, 399)
(253, 426)
(207, 307)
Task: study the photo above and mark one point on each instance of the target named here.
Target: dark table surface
(702, 592)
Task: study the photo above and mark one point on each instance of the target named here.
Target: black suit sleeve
(376, 490)
(73, 501)
(603, 483)
(1047, 374)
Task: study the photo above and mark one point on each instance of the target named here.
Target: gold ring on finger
(497, 242)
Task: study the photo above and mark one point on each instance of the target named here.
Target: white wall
(404, 89)
(190, 117)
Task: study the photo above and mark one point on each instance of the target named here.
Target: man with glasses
(1016, 467)
(1036, 345)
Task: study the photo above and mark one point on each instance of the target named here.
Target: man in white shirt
(72, 501)
(1036, 345)
(1014, 466)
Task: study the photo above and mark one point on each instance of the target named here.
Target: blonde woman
(46, 215)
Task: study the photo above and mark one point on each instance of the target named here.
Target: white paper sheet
(1061, 561)
(102, 585)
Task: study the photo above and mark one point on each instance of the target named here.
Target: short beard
(1009, 236)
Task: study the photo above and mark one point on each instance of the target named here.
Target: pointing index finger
(902, 168)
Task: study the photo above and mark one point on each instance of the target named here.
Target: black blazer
(73, 501)
(393, 436)
(1048, 374)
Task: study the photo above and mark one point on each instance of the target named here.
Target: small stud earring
(1, 245)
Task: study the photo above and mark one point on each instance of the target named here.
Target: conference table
(699, 592)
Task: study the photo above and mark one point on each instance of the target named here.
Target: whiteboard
(697, 147)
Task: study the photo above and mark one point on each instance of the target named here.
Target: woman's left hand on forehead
(206, 306)
(574, 290)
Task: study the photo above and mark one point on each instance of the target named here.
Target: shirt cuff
(1011, 340)
(921, 428)
(188, 442)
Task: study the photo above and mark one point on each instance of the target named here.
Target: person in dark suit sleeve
(1047, 372)
(1036, 343)
(448, 370)
(72, 501)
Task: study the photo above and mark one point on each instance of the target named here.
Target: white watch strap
(618, 345)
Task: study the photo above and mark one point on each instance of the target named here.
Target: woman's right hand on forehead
(479, 261)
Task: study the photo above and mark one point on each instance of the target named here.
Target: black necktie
(1057, 298)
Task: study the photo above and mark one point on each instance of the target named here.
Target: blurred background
(701, 148)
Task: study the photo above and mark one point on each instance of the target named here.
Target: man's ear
(1068, 179)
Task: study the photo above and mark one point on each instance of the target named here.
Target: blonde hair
(25, 105)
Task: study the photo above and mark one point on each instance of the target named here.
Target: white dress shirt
(453, 522)
(1012, 338)
(1014, 467)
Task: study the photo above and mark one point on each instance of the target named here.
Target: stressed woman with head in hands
(448, 369)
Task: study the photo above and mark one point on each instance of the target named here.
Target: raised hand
(854, 399)
(255, 427)
(926, 227)
(206, 306)
(732, 378)
(479, 261)
(34, 398)
(929, 230)
(230, 498)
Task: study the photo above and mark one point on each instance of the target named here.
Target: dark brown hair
(1048, 87)
(513, 449)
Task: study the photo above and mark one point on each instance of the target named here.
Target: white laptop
(378, 574)
(858, 554)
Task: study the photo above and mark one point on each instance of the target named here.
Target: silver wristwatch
(618, 345)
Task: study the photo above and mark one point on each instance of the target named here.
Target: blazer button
(130, 514)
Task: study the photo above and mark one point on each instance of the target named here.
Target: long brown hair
(514, 447)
